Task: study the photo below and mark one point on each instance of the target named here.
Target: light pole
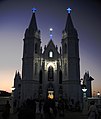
(84, 92)
(84, 89)
(12, 99)
(99, 98)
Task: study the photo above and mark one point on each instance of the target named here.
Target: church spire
(33, 24)
(69, 28)
(69, 23)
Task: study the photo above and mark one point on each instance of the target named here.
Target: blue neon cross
(33, 10)
(69, 10)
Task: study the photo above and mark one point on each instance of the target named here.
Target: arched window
(65, 48)
(50, 73)
(65, 69)
(36, 48)
(36, 68)
(60, 77)
(50, 54)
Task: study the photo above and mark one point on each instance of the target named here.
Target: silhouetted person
(34, 108)
(46, 109)
(77, 106)
(92, 113)
(6, 112)
(61, 107)
(53, 106)
(49, 109)
(40, 106)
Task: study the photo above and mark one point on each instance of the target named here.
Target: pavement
(68, 115)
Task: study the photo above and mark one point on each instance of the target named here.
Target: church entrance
(50, 91)
(50, 94)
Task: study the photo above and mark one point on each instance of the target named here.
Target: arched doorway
(50, 94)
(50, 91)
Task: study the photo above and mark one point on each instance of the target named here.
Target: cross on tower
(69, 10)
(33, 10)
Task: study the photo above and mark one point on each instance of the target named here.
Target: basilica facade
(49, 73)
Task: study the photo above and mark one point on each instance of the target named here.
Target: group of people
(47, 109)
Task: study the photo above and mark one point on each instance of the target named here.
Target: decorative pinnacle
(33, 10)
(69, 10)
(51, 33)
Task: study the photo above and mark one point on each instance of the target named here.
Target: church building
(49, 73)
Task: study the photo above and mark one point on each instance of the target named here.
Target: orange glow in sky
(6, 80)
(16, 17)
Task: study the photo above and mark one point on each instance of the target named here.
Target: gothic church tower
(31, 60)
(70, 61)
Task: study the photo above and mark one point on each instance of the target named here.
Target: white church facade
(50, 73)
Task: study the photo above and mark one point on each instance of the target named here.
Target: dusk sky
(15, 16)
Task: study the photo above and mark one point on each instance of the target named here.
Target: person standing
(61, 107)
(92, 112)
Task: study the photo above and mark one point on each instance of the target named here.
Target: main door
(50, 91)
(50, 94)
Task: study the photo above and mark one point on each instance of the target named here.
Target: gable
(51, 51)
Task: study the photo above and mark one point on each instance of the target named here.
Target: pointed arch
(65, 69)
(50, 54)
(50, 73)
(36, 48)
(60, 77)
(36, 68)
(40, 77)
(65, 48)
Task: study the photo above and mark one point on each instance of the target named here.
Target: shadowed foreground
(68, 115)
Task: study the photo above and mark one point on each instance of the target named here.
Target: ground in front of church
(68, 115)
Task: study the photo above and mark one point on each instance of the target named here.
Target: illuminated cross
(69, 10)
(51, 33)
(33, 10)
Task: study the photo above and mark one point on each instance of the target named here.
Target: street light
(84, 92)
(12, 99)
(98, 94)
(84, 89)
